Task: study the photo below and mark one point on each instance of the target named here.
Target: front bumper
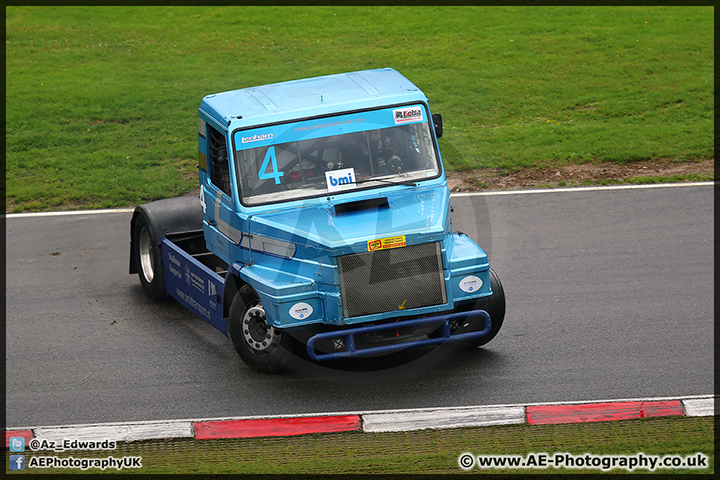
(346, 343)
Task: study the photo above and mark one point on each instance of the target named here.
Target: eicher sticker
(385, 243)
(406, 115)
(340, 179)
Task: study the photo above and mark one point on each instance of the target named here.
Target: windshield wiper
(411, 183)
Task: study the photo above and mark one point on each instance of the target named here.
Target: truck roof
(310, 97)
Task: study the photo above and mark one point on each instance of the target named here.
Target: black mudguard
(170, 215)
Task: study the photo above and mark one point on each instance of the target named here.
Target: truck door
(216, 191)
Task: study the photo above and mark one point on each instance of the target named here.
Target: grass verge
(101, 101)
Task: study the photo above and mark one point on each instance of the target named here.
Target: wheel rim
(146, 260)
(256, 332)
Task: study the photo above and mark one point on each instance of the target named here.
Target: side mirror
(437, 123)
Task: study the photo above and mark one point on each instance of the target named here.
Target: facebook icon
(17, 462)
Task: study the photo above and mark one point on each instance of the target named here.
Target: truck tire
(494, 306)
(263, 348)
(148, 258)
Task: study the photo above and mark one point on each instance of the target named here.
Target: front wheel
(262, 347)
(494, 306)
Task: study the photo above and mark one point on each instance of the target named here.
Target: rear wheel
(148, 258)
(262, 347)
(494, 306)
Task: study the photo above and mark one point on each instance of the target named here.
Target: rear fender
(170, 215)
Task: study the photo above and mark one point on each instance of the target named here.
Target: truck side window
(219, 169)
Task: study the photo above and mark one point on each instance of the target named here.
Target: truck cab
(323, 221)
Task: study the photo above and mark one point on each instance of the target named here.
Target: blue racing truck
(323, 222)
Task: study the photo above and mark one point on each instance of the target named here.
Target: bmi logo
(340, 179)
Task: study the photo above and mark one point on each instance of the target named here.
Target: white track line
(69, 212)
(582, 189)
(455, 194)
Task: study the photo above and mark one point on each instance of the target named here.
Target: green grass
(101, 101)
(425, 451)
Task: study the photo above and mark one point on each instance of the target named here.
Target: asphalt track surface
(609, 292)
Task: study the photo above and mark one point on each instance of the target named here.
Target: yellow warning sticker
(385, 243)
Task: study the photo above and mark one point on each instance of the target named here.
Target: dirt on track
(574, 175)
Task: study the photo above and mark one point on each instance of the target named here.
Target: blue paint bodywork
(193, 285)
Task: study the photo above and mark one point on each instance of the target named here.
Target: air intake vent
(371, 203)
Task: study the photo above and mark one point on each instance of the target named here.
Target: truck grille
(387, 280)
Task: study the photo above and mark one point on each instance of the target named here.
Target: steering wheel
(395, 164)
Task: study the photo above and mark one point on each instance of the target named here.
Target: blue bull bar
(445, 335)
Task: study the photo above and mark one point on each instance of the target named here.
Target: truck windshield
(330, 155)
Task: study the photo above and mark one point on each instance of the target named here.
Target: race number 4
(270, 160)
(202, 199)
